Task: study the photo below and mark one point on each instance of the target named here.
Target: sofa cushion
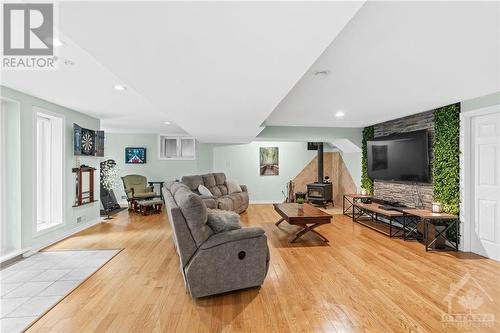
(210, 202)
(209, 180)
(220, 178)
(233, 186)
(176, 186)
(195, 213)
(223, 189)
(192, 181)
(223, 220)
(225, 203)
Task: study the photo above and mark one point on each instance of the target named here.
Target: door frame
(467, 175)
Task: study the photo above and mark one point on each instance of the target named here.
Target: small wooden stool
(147, 207)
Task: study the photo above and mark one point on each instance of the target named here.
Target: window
(49, 171)
(176, 148)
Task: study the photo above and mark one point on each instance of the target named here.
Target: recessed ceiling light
(57, 42)
(339, 114)
(119, 87)
(166, 122)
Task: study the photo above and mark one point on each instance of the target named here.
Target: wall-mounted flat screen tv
(400, 157)
(135, 155)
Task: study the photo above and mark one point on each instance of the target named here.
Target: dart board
(88, 142)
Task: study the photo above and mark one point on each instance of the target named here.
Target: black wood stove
(321, 192)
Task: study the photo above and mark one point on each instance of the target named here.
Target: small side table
(161, 185)
(428, 218)
(348, 201)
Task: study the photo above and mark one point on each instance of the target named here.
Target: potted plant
(300, 198)
(300, 202)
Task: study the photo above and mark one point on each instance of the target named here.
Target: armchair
(136, 188)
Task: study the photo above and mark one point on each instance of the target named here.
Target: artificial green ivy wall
(446, 162)
(366, 182)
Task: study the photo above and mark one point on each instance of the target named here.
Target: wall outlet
(124, 197)
(81, 219)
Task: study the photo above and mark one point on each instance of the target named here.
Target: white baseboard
(264, 202)
(14, 254)
(37, 247)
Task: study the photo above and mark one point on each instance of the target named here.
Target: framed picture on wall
(269, 161)
(135, 155)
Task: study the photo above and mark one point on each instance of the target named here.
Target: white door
(485, 146)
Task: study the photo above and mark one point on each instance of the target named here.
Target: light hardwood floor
(361, 282)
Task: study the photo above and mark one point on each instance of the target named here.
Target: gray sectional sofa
(213, 263)
(216, 184)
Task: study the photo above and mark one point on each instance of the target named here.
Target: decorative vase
(437, 207)
(364, 192)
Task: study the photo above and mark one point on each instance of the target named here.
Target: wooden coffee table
(308, 218)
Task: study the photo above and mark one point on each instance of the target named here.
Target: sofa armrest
(244, 188)
(149, 188)
(231, 236)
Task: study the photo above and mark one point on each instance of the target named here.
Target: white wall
(89, 214)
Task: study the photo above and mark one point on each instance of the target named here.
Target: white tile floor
(30, 287)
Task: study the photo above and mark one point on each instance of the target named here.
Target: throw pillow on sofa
(204, 191)
(233, 186)
(222, 220)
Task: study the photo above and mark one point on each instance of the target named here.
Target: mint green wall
(88, 213)
(481, 102)
(11, 186)
(241, 162)
(154, 169)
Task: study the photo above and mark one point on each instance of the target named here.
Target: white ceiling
(218, 69)
(87, 87)
(398, 58)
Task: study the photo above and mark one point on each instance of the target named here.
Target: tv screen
(401, 157)
(135, 155)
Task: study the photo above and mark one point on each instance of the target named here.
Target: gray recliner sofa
(213, 263)
(216, 184)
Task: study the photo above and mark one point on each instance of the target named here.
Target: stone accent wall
(407, 193)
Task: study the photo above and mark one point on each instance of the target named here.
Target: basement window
(49, 170)
(176, 148)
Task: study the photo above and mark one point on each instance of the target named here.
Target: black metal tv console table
(349, 199)
(428, 218)
(396, 219)
(403, 223)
